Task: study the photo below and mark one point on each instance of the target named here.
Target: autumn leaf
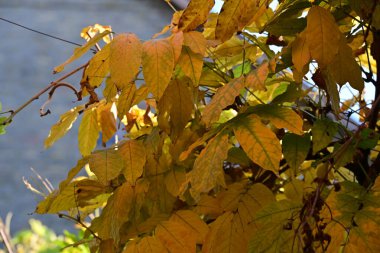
(177, 41)
(191, 64)
(158, 64)
(133, 154)
(300, 52)
(176, 104)
(260, 143)
(223, 97)
(118, 210)
(295, 149)
(195, 41)
(88, 132)
(126, 99)
(78, 52)
(208, 167)
(256, 78)
(230, 19)
(175, 237)
(345, 69)
(271, 222)
(192, 222)
(322, 35)
(98, 67)
(280, 117)
(106, 164)
(125, 58)
(73, 172)
(195, 14)
(148, 244)
(323, 132)
(62, 126)
(107, 121)
(175, 180)
(225, 236)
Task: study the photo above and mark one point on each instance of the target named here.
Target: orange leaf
(196, 42)
(133, 154)
(158, 64)
(191, 64)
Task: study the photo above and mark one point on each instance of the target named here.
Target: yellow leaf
(73, 172)
(191, 64)
(121, 207)
(158, 64)
(259, 142)
(345, 69)
(208, 206)
(300, 52)
(195, 41)
(110, 91)
(280, 117)
(322, 35)
(125, 58)
(176, 103)
(195, 14)
(106, 164)
(133, 154)
(176, 237)
(88, 132)
(223, 97)
(69, 197)
(107, 246)
(64, 124)
(107, 121)
(78, 52)
(225, 236)
(125, 101)
(150, 244)
(192, 222)
(208, 171)
(175, 180)
(233, 15)
(98, 67)
(256, 78)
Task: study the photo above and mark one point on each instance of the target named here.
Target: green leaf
(78, 52)
(270, 223)
(281, 27)
(259, 142)
(208, 172)
(368, 139)
(295, 148)
(106, 164)
(2, 127)
(238, 156)
(62, 126)
(323, 132)
(88, 132)
(293, 92)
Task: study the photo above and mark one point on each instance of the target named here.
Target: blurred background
(26, 63)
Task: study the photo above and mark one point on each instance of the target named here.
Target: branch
(35, 97)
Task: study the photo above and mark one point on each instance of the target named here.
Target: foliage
(235, 137)
(41, 239)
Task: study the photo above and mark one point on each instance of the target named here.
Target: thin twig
(35, 97)
(171, 5)
(68, 217)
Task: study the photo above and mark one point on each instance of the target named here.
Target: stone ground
(26, 63)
